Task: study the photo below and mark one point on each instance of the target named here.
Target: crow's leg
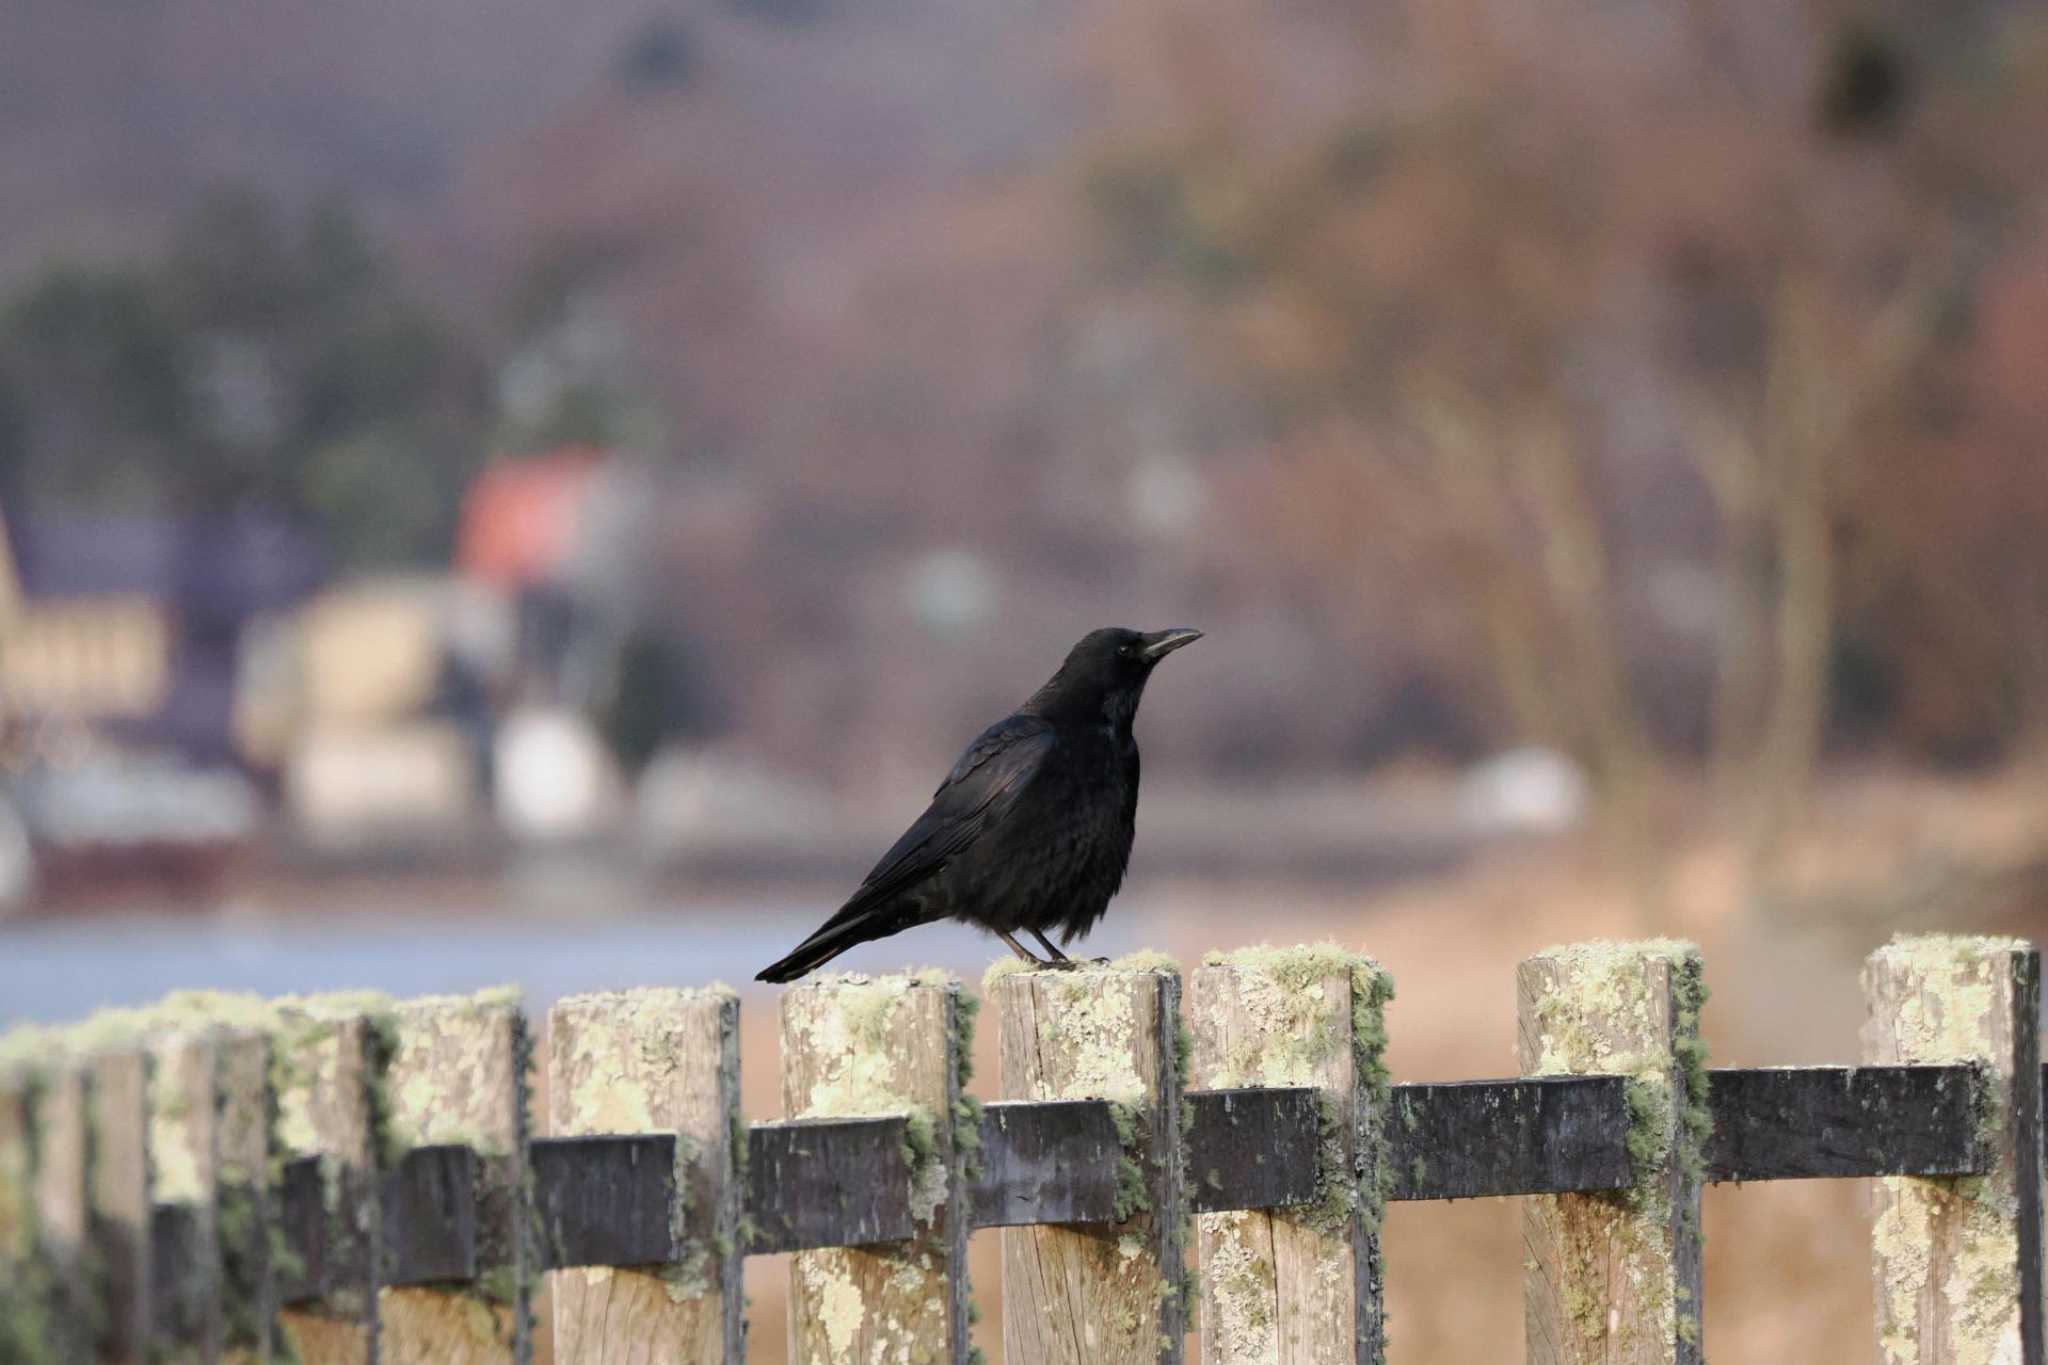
(1060, 961)
(1055, 954)
(1018, 949)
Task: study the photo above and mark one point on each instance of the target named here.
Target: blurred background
(501, 491)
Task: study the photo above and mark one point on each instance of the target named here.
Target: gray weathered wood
(652, 1061)
(245, 1202)
(118, 1117)
(1075, 1295)
(63, 1204)
(605, 1200)
(429, 1209)
(185, 1292)
(1541, 1135)
(1615, 1278)
(1052, 1162)
(301, 1201)
(1957, 1262)
(27, 1323)
(856, 1046)
(457, 1076)
(829, 1182)
(329, 1055)
(1297, 1284)
(1254, 1147)
(1813, 1122)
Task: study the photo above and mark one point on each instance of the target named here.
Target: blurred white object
(116, 801)
(1524, 791)
(345, 783)
(17, 863)
(951, 589)
(554, 778)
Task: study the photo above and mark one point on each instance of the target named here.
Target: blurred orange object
(519, 518)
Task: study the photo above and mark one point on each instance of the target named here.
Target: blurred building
(133, 628)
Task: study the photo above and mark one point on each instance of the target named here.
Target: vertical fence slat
(1615, 1278)
(642, 1062)
(24, 1304)
(328, 1070)
(1957, 1262)
(185, 1316)
(855, 1046)
(76, 1301)
(119, 1185)
(244, 1201)
(458, 1075)
(1303, 1284)
(1086, 1295)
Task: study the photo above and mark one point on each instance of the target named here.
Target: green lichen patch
(29, 1051)
(307, 1064)
(846, 1023)
(1002, 967)
(1948, 1019)
(1316, 1015)
(1242, 1299)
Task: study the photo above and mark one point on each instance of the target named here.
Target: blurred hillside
(1661, 386)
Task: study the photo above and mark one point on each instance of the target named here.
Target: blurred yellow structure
(85, 658)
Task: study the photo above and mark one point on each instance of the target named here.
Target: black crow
(1032, 829)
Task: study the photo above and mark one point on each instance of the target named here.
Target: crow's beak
(1161, 643)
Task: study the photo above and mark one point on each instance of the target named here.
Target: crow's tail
(820, 948)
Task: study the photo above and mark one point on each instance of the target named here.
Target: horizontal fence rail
(607, 1201)
(375, 1239)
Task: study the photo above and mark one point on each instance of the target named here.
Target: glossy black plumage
(1032, 829)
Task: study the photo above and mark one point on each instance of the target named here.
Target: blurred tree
(260, 357)
(1449, 318)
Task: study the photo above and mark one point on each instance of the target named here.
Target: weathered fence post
(117, 1109)
(1958, 1260)
(1300, 1284)
(185, 1311)
(245, 1204)
(458, 1076)
(643, 1062)
(1615, 1277)
(24, 1303)
(1086, 1295)
(73, 1292)
(856, 1046)
(328, 1058)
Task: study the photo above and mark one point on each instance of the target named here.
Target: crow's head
(1109, 667)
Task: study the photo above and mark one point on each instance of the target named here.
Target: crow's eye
(1126, 650)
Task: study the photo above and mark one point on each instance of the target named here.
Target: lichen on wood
(648, 1061)
(1109, 1032)
(457, 1075)
(1617, 1276)
(1299, 1284)
(855, 1045)
(1954, 1258)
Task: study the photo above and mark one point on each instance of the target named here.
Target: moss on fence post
(642, 1062)
(1616, 1277)
(1957, 1261)
(855, 1046)
(1109, 1032)
(458, 1075)
(327, 1071)
(1298, 1284)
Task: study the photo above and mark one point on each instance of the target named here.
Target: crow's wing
(976, 795)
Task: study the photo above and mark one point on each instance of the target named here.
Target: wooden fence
(347, 1178)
